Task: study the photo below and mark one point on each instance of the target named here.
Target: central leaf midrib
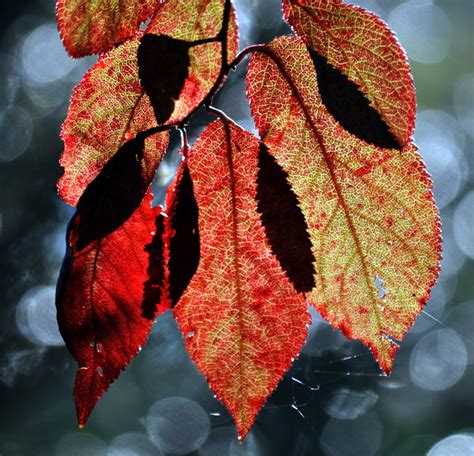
(235, 244)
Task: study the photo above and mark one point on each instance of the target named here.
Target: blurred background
(334, 400)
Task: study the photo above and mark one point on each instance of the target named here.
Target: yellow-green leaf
(360, 44)
(370, 211)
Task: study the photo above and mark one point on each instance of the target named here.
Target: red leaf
(100, 303)
(108, 108)
(360, 44)
(370, 211)
(242, 320)
(92, 27)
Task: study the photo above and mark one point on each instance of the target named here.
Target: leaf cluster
(331, 200)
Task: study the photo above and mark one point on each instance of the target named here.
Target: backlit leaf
(241, 318)
(370, 211)
(360, 44)
(90, 27)
(108, 108)
(180, 56)
(100, 299)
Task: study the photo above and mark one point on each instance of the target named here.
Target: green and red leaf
(360, 45)
(91, 27)
(370, 210)
(242, 320)
(108, 108)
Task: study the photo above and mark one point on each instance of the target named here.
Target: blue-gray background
(333, 401)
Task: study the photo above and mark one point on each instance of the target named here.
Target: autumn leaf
(100, 301)
(108, 108)
(370, 211)
(92, 27)
(360, 45)
(110, 288)
(182, 53)
(241, 318)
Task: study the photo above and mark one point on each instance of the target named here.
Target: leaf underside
(108, 108)
(239, 306)
(370, 211)
(111, 105)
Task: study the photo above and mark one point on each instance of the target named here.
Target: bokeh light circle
(36, 316)
(43, 56)
(346, 404)
(454, 445)
(461, 319)
(80, 444)
(463, 98)
(438, 360)
(440, 139)
(464, 223)
(133, 444)
(16, 131)
(178, 425)
(424, 30)
(361, 436)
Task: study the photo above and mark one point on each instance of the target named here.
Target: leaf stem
(242, 54)
(184, 141)
(218, 113)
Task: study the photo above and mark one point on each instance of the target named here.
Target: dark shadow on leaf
(113, 196)
(284, 223)
(154, 285)
(184, 248)
(163, 66)
(350, 107)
